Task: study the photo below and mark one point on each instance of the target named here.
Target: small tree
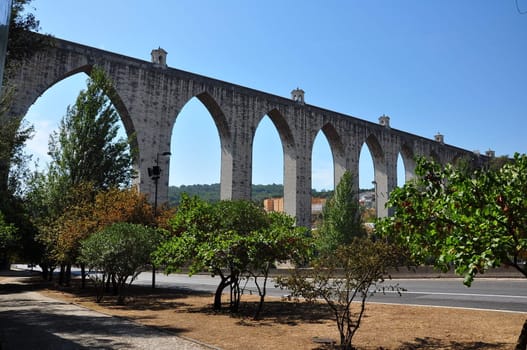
(85, 152)
(229, 239)
(213, 238)
(353, 271)
(341, 219)
(119, 251)
(281, 242)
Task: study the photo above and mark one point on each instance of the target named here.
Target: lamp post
(155, 173)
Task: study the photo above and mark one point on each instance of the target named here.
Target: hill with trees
(211, 193)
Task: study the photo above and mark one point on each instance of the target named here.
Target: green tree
(213, 238)
(120, 251)
(229, 239)
(13, 173)
(341, 219)
(468, 220)
(86, 147)
(13, 160)
(22, 44)
(87, 157)
(471, 220)
(279, 242)
(353, 271)
(8, 241)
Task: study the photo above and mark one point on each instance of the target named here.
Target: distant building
(367, 199)
(277, 204)
(317, 204)
(274, 204)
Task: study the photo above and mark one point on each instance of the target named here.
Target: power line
(519, 10)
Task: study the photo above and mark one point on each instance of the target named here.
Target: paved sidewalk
(29, 320)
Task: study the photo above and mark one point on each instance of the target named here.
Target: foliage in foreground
(341, 217)
(87, 159)
(86, 147)
(232, 240)
(8, 240)
(352, 272)
(469, 220)
(118, 252)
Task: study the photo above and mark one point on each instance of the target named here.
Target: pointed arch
(267, 148)
(322, 163)
(284, 131)
(190, 155)
(380, 170)
(408, 158)
(225, 139)
(289, 154)
(113, 95)
(217, 115)
(337, 148)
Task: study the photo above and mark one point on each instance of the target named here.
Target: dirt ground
(295, 325)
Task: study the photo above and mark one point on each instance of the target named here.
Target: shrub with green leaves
(118, 252)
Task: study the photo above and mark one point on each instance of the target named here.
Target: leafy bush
(118, 252)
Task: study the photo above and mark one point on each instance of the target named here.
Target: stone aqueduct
(150, 95)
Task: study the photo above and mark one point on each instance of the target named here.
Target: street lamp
(155, 173)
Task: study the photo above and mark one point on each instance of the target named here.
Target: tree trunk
(44, 271)
(61, 274)
(115, 285)
(68, 275)
(219, 291)
(107, 283)
(522, 339)
(262, 292)
(235, 294)
(83, 276)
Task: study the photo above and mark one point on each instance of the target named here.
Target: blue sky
(448, 66)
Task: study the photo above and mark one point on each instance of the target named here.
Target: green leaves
(231, 239)
(120, 250)
(350, 273)
(86, 148)
(470, 220)
(341, 220)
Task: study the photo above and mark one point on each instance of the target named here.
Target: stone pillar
(236, 158)
(391, 179)
(297, 169)
(380, 186)
(297, 188)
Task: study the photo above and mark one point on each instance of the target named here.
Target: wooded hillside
(211, 193)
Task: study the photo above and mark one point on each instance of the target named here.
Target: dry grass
(290, 325)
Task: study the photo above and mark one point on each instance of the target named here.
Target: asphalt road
(485, 293)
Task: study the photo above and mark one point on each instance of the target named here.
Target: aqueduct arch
(151, 95)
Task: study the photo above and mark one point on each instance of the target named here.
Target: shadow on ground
(431, 343)
(29, 321)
